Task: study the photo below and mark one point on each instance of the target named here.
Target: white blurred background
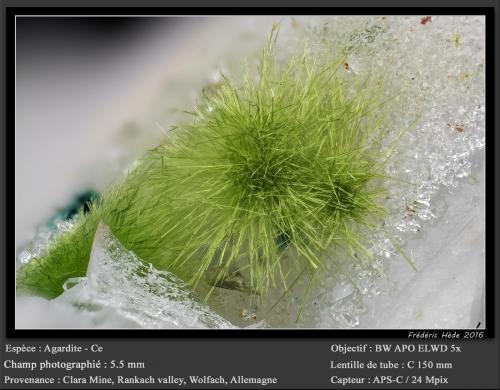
(87, 88)
(94, 93)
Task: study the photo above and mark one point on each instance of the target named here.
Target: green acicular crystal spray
(275, 169)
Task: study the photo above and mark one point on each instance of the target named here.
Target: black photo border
(9, 252)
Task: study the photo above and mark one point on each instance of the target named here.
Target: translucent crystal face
(117, 280)
(435, 71)
(439, 67)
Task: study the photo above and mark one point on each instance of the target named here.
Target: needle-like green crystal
(274, 170)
